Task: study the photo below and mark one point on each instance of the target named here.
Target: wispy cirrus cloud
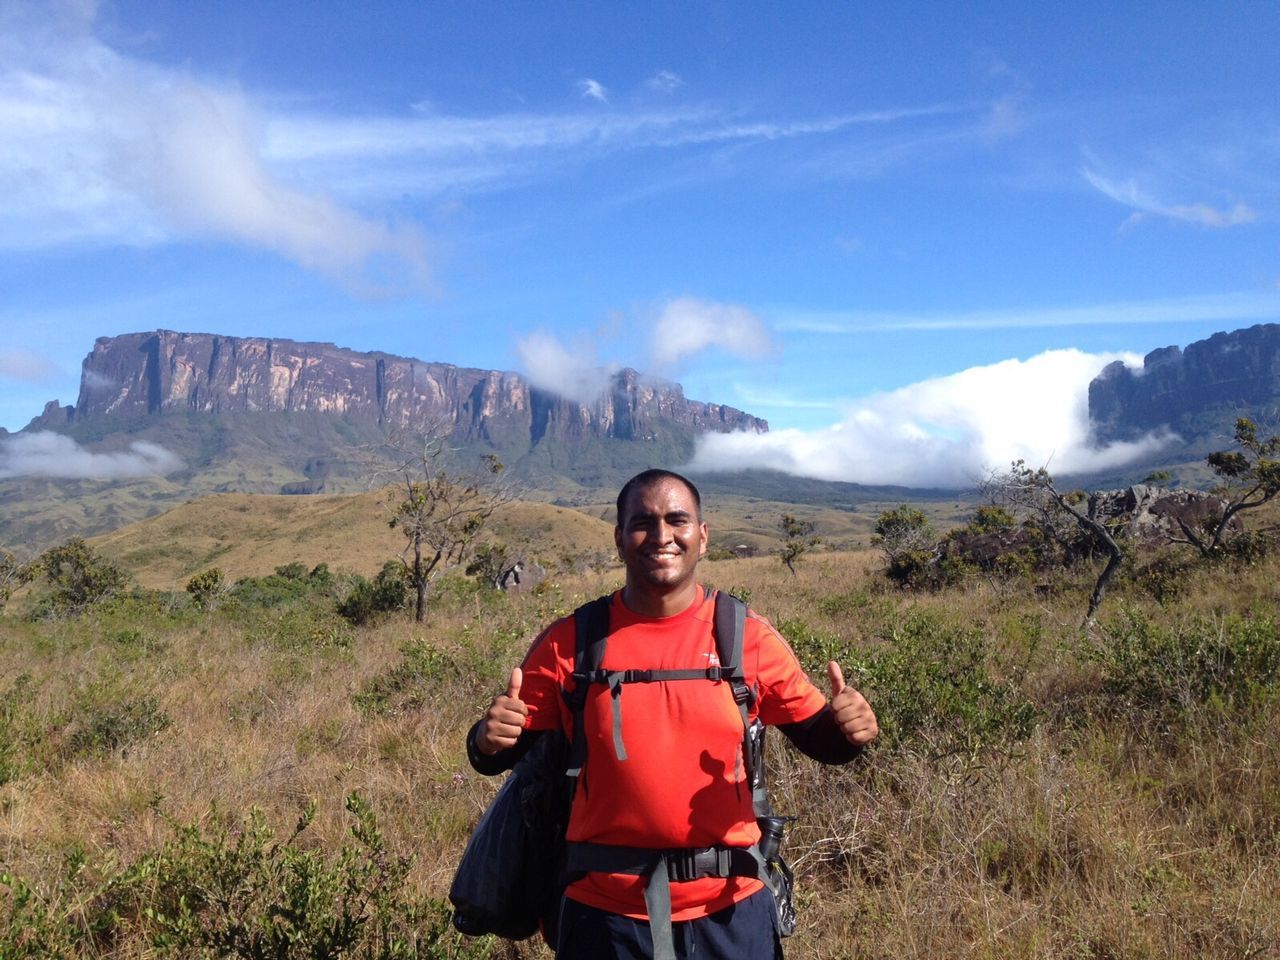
(1244, 307)
(664, 81)
(592, 90)
(102, 148)
(1130, 194)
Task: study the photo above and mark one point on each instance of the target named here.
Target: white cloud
(592, 90)
(27, 365)
(664, 81)
(948, 431)
(48, 454)
(568, 371)
(1129, 194)
(98, 147)
(688, 325)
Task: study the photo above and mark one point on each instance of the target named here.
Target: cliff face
(1195, 391)
(164, 371)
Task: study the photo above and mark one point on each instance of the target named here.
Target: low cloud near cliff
(48, 454)
(675, 331)
(948, 431)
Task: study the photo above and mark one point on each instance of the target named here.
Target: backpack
(503, 879)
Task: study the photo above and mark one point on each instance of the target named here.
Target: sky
(907, 234)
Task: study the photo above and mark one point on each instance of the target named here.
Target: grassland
(1039, 791)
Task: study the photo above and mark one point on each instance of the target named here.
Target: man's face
(660, 537)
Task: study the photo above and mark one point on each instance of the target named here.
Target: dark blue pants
(745, 931)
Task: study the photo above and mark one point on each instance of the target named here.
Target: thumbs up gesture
(504, 720)
(854, 716)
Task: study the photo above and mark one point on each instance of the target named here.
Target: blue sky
(907, 234)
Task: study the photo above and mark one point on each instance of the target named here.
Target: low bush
(101, 728)
(935, 691)
(78, 577)
(406, 686)
(227, 892)
(367, 602)
(1166, 671)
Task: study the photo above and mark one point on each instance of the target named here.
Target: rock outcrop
(168, 372)
(1197, 392)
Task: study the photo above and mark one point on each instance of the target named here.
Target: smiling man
(664, 777)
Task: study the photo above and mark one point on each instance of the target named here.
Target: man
(664, 767)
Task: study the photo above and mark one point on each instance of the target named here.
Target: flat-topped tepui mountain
(261, 415)
(1196, 392)
(165, 372)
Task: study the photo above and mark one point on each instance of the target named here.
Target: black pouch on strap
(509, 878)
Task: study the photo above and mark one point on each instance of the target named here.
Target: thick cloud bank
(948, 431)
(47, 454)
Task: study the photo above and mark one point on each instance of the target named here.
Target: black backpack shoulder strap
(730, 625)
(591, 629)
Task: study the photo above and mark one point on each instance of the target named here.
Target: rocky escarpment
(169, 372)
(1197, 392)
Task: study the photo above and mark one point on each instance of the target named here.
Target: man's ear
(702, 529)
(617, 541)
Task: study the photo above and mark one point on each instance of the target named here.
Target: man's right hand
(504, 720)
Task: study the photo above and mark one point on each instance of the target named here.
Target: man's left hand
(854, 716)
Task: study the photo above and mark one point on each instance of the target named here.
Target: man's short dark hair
(647, 479)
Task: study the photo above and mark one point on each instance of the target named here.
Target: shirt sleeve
(786, 693)
(545, 671)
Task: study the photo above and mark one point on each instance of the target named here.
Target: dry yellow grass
(1100, 836)
(251, 534)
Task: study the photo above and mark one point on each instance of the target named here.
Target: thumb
(513, 688)
(836, 676)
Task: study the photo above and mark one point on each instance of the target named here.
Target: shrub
(104, 728)
(15, 729)
(239, 892)
(79, 577)
(935, 692)
(367, 601)
(1168, 671)
(405, 685)
(205, 587)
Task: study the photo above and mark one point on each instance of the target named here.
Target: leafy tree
(907, 538)
(797, 539)
(79, 576)
(1250, 477)
(491, 562)
(991, 518)
(205, 587)
(440, 510)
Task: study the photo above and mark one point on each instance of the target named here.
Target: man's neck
(650, 604)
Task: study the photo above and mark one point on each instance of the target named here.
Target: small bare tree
(1250, 477)
(439, 509)
(1034, 491)
(13, 574)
